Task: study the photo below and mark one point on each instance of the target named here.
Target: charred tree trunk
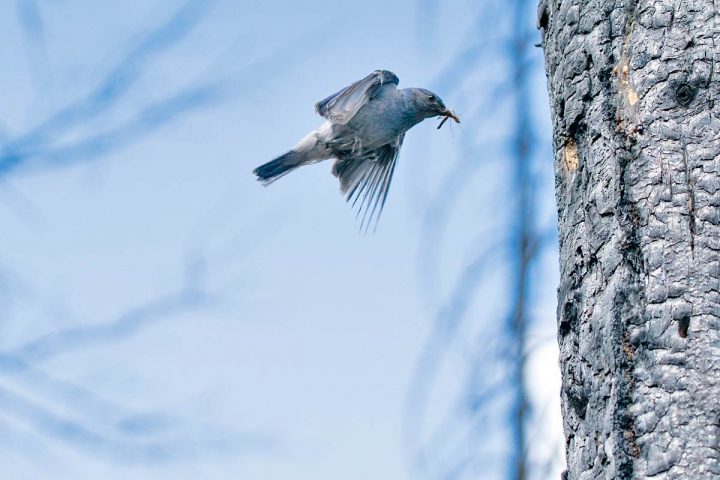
(637, 164)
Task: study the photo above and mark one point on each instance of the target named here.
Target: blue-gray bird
(364, 130)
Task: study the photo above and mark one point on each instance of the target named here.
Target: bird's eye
(432, 98)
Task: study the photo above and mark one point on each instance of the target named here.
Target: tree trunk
(637, 152)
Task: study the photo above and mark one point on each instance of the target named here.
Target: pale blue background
(259, 336)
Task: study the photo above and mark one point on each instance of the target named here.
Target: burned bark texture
(637, 165)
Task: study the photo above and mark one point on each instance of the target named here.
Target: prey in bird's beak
(447, 113)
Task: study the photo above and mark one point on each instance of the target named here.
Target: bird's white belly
(314, 143)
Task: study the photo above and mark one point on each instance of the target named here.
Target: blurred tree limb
(494, 402)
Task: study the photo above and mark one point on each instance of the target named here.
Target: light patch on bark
(570, 156)
(627, 115)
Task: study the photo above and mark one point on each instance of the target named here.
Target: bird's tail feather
(274, 169)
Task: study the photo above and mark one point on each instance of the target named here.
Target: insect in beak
(448, 114)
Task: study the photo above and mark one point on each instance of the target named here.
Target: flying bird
(365, 124)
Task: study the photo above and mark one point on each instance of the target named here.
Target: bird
(365, 124)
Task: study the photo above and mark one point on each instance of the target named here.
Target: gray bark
(636, 139)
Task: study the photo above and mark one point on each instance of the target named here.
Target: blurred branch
(64, 411)
(88, 126)
(106, 441)
(68, 339)
(145, 122)
(513, 35)
(30, 20)
(445, 329)
(101, 99)
(526, 234)
(33, 28)
(437, 215)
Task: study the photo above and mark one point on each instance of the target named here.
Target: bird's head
(430, 105)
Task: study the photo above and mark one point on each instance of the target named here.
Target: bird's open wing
(340, 107)
(365, 179)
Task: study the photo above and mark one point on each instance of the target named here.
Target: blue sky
(255, 333)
